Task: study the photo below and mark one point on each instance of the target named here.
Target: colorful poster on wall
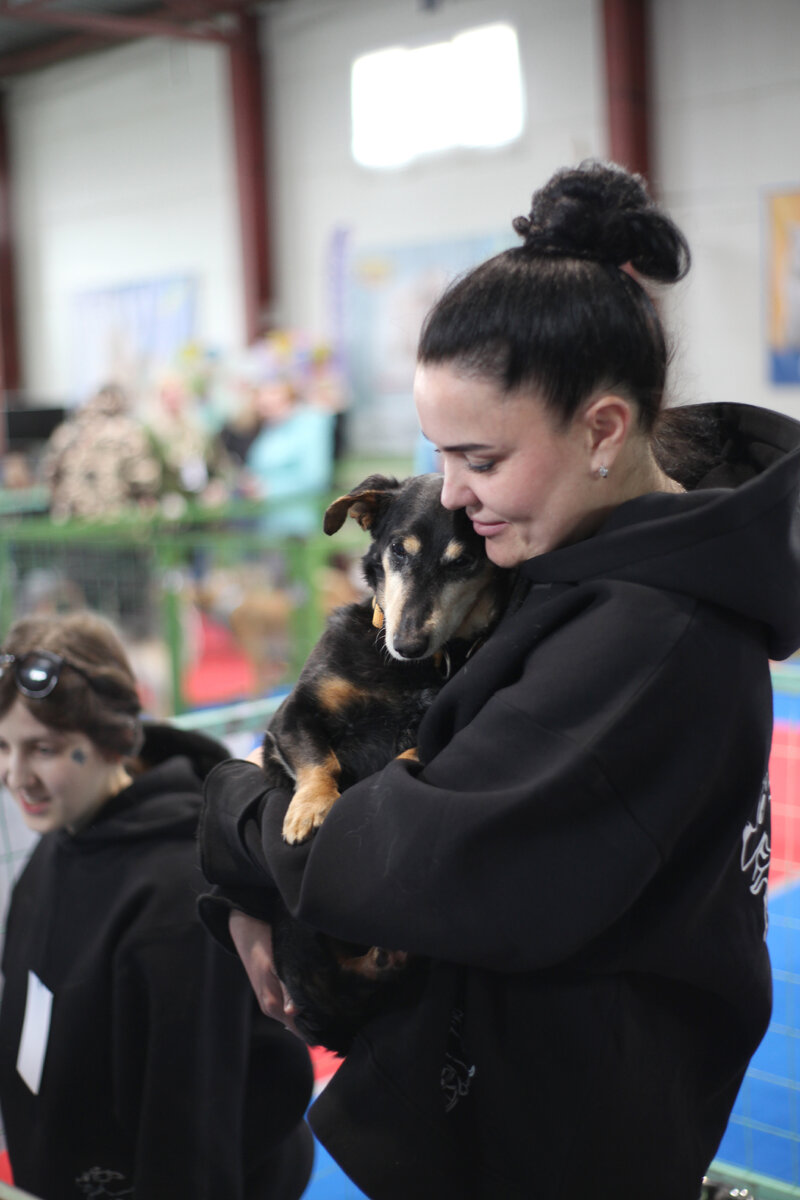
(387, 295)
(124, 334)
(783, 284)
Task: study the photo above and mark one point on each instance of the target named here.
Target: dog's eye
(463, 560)
(398, 550)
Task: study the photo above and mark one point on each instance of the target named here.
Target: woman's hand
(253, 941)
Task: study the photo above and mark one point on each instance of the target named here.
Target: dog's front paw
(312, 801)
(299, 823)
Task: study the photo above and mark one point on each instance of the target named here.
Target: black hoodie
(161, 1079)
(582, 858)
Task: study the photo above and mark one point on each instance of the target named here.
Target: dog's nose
(412, 644)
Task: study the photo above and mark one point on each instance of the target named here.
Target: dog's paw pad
(300, 822)
(313, 799)
(296, 830)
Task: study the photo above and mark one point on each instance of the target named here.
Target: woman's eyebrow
(463, 447)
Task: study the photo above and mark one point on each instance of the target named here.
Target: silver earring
(602, 472)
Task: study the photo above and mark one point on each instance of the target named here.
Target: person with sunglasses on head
(133, 1058)
(578, 859)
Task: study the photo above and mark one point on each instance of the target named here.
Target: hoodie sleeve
(230, 851)
(556, 803)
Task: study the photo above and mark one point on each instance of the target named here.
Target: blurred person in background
(101, 460)
(291, 458)
(177, 425)
(133, 1059)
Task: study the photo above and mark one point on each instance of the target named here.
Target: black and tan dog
(358, 703)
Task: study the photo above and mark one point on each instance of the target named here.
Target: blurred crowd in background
(266, 423)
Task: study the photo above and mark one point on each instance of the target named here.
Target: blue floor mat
(763, 1135)
(328, 1181)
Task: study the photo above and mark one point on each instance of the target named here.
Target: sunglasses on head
(36, 673)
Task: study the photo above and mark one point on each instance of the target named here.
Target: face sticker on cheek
(78, 756)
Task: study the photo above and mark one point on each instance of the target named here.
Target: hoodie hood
(162, 742)
(164, 799)
(732, 539)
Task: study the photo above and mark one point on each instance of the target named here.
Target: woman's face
(526, 484)
(58, 779)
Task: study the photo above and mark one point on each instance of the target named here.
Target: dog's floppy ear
(365, 503)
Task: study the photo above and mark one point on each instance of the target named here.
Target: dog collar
(443, 663)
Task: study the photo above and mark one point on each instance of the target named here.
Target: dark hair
(563, 313)
(106, 710)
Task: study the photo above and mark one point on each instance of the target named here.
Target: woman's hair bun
(601, 211)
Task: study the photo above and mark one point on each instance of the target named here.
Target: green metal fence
(138, 571)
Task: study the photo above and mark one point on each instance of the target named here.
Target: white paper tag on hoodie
(35, 1032)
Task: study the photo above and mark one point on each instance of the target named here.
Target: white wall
(318, 188)
(725, 115)
(124, 173)
(725, 123)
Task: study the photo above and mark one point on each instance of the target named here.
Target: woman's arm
(544, 817)
(253, 942)
(556, 799)
(229, 843)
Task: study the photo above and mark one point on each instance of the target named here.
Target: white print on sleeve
(98, 1182)
(457, 1073)
(756, 850)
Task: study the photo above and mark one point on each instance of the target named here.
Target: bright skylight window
(465, 92)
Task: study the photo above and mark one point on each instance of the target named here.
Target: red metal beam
(247, 96)
(197, 10)
(43, 54)
(9, 344)
(17, 62)
(625, 26)
(17, 11)
(186, 10)
(116, 26)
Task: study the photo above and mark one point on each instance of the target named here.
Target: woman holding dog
(580, 857)
(133, 1058)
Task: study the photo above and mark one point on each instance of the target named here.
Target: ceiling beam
(44, 54)
(182, 10)
(114, 26)
(18, 10)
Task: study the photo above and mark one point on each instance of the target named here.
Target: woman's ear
(607, 420)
